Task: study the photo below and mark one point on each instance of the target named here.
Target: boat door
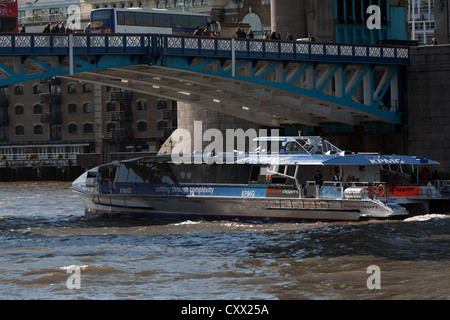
(106, 174)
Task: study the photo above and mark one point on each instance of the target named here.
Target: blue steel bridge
(267, 82)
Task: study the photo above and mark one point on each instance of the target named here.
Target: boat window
(137, 173)
(292, 147)
(291, 171)
(104, 172)
(122, 174)
(254, 175)
(91, 174)
(157, 173)
(278, 180)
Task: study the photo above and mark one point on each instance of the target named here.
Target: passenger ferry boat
(262, 185)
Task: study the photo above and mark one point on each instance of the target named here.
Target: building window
(37, 89)
(19, 109)
(20, 130)
(72, 108)
(88, 128)
(110, 127)
(142, 105)
(87, 108)
(162, 104)
(38, 130)
(73, 129)
(142, 126)
(72, 88)
(54, 14)
(162, 125)
(37, 109)
(110, 106)
(18, 91)
(87, 88)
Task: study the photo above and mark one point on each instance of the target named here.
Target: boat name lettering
(125, 190)
(383, 161)
(248, 193)
(363, 206)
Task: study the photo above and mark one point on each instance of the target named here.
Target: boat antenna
(299, 133)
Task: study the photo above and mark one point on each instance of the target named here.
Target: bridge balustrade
(159, 45)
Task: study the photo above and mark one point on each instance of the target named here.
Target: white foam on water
(427, 217)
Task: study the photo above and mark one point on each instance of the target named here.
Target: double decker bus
(8, 16)
(140, 20)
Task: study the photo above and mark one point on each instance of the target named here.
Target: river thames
(49, 250)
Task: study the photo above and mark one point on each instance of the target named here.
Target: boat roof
(294, 159)
(335, 160)
(293, 150)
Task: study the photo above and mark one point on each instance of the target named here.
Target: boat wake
(426, 217)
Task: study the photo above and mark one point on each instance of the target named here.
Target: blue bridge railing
(172, 45)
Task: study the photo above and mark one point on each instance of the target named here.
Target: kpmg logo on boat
(188, 149)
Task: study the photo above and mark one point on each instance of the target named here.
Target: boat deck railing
(374, 190)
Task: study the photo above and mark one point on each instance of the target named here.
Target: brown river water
(45, 239)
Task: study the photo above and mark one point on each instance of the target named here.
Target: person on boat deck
(318, 177)
(424, 176)
(337, 176)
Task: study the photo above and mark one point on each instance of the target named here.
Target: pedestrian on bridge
(240, 33)
(47, 28)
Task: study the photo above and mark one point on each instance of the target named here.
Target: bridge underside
(268, 82)
(267, 93)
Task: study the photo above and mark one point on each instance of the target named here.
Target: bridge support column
(288, 15)
(188, 115)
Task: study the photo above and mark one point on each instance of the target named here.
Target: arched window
(72, 108)
(142, 126)
(88, 128)
(142, 105)
(71, 88)
(37, 109)
(73, 129)
(20, 130)
(111, 126)
(110, 106)
(19, 109)
(162, 104)
(87, 108)
(18, 91)
(162, 125)
(37, 89)
(87, 88)
(38, 130)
